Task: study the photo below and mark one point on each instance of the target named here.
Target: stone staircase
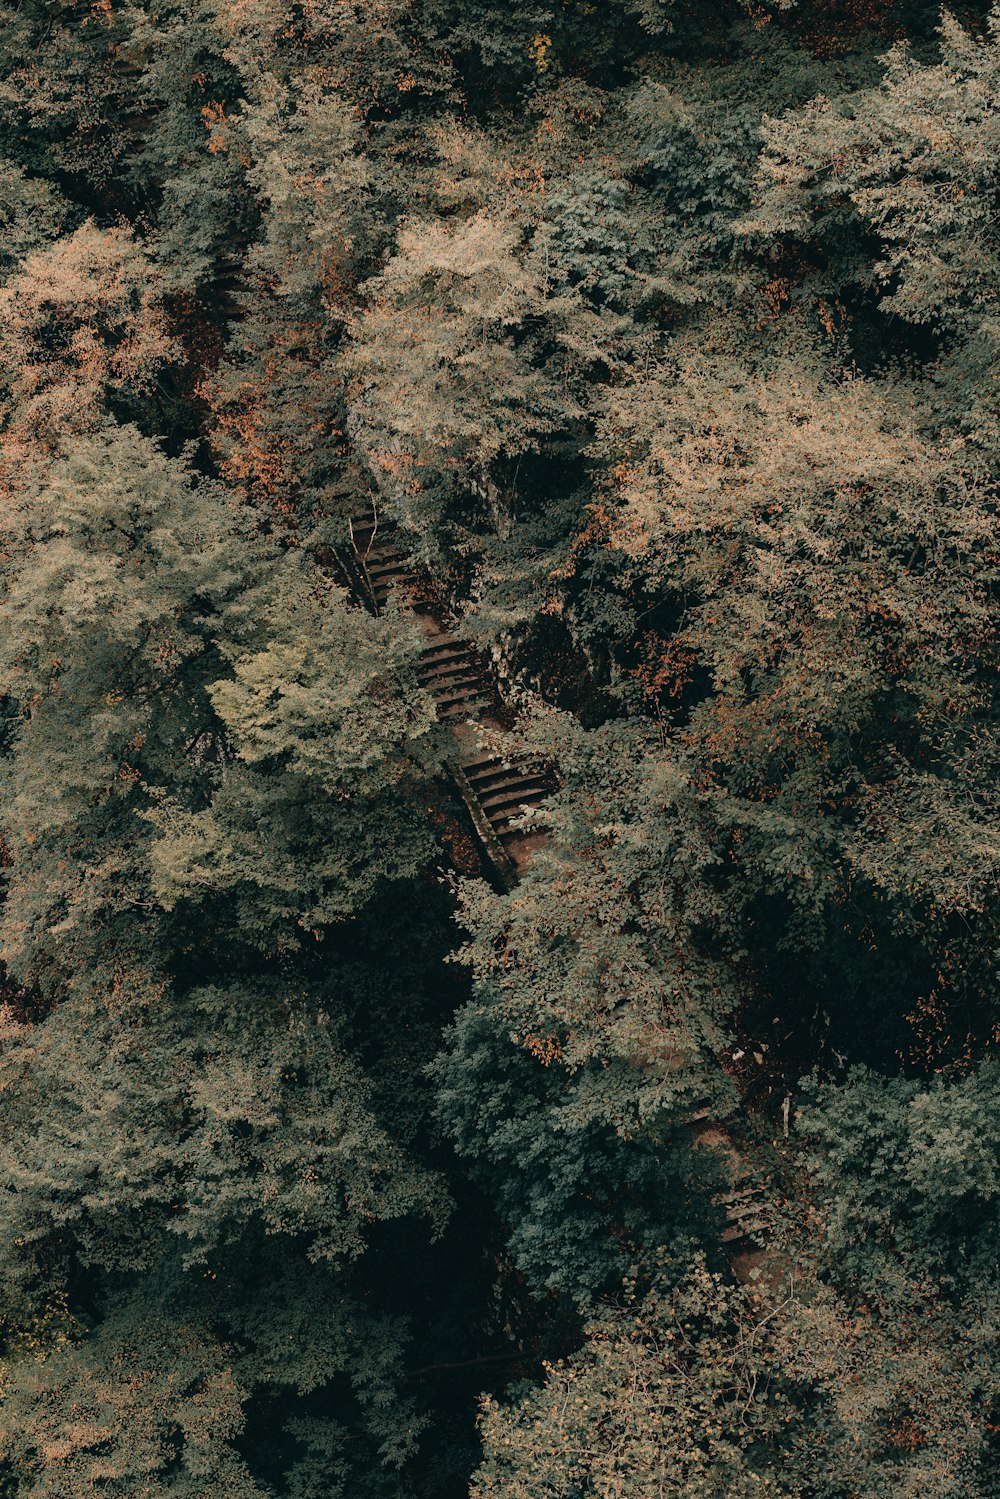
(504, 791)
(451, 672)
(497, 790)
(748, 1218)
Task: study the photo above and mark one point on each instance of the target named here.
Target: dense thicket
(668, 336)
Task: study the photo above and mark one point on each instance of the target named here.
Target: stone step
(473, 767)
(738, 1233)
(458, 693)
(386, 566)
(517, 796)
(462, 672)
(443, 643)
(467, 686)
(445, 661)
(502, 821)
(514, 776)
(740, 1197)
(464, 708)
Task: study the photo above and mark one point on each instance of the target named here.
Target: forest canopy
(499, 838)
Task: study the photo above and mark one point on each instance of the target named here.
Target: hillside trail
(498, 784)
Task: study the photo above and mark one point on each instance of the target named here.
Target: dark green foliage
(672, 1393)
(578, 1201)
(665, 336)
(610, 957)
(907, 1167)
(692, 1387)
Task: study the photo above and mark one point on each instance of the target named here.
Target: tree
(822, 572)
(84, 331)
(609, 952)
(685, 1385)
(675, 1391)
(140, 612)
(599, 1012)
(577, 1199)
(906, 166)
(116, 564)
(331, 740)
(900, 1165)
(140, 1408)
